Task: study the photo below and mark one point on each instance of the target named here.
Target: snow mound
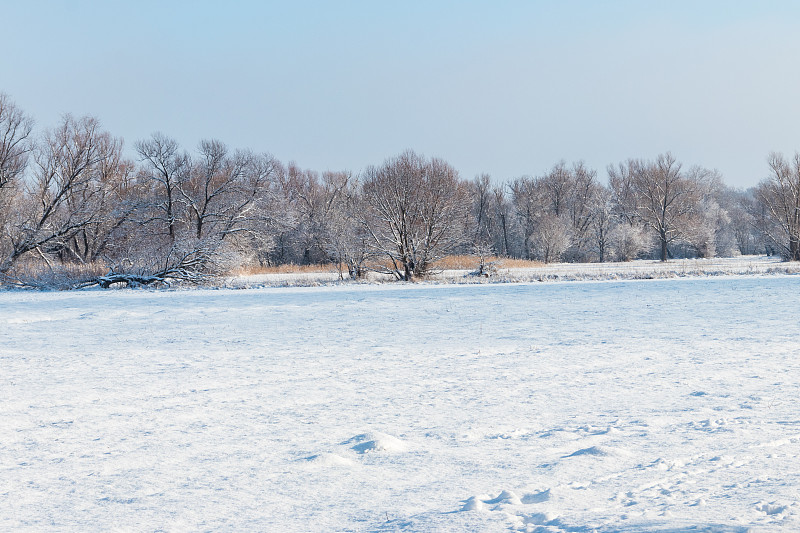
(329, 460)
(376, 442)
(479, 503)
(597, 451)
(771, 508)
(473, 504)
(506, 496)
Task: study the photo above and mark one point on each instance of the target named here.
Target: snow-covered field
(639, 269)
(613, 406)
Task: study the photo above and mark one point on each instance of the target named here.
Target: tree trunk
(505, 236)
(794, 248)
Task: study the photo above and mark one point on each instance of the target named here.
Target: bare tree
(210, 180)
(115, 196)
(551, 238)
(780, 197)
(580, 208)
(15, 130)
(564, 192)
(659, 195)
(61, 198)
(743, 210)
(15, 146)
(504, 215)
(251, 210)
(527, 201)
(556, 187)
(346, 239)
(304, 198)
(223, 190)
(627, 236)
(601, 222)
(621, 184)
(167, 167)
(706, 232)
(628, 241)
(415, 212)
(481, 195)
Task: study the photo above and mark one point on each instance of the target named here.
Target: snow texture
(667, 406)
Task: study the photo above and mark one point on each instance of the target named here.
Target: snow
(640, 269)
(664, 405)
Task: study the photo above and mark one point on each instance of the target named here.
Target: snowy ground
(617, 406)
(639, 269)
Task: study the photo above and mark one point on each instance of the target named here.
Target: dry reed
(289, 268)
(471, 262)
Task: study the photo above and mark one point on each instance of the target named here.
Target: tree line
(75, 211)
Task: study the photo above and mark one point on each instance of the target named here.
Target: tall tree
(15, 146)
(659, 195)
(115, 196)
(166, 168)
(222, 189)
(15, 131)
(62, 196)
(780, 196)
(415, 212)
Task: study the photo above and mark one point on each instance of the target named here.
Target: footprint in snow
(771, 509)
(540, 519)
(478, 503)
(537, 497)
(520, 519)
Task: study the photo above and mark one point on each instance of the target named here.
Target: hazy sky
(502, 87)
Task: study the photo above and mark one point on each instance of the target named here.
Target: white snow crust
(637, 406)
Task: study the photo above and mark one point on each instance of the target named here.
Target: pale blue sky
(502, 87)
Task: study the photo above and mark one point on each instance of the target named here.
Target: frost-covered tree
(550, 238)
(780, 197)
(346, 239)
(224, 190)
(565, 192)
(527, 202)
(628, 241)
(507, 228)
(743, 227)
(15, 132)
(15, 147)
(415, 208)
(196, 216)
(166, 167)
(115, 196)
(601, 224)
(659, 195)
(64, 194)
(482, 222)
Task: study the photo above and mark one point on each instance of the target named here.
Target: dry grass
(518, 263)
(36, 273)
(451, 262)
(471, 262)
(255, 270)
